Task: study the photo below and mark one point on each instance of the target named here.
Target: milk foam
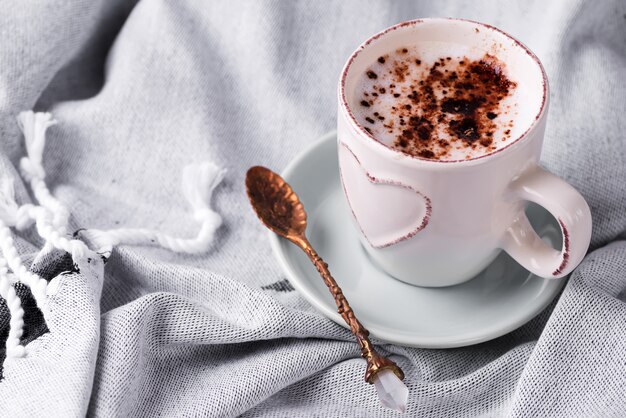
(376, 91)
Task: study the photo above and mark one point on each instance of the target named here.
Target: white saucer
(497, 301)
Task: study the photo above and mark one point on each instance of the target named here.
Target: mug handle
(571, 211)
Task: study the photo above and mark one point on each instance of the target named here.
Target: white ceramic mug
(439, 223)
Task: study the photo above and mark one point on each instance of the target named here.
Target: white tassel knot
(198, 183)
(34, 126)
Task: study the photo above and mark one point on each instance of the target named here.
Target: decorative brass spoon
(280, 209)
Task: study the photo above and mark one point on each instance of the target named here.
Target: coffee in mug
(436, 103)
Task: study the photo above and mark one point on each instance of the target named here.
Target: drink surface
(432, 101)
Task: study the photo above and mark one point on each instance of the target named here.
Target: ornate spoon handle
(375, 362)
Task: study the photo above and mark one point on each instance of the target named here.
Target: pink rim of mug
(363, 132)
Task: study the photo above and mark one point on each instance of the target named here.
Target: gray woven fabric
(140, 90)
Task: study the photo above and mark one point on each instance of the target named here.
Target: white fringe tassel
(199, 182)
(51, 223)
(34, 126)
(9, 215)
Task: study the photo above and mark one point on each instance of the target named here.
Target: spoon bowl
(275, 203)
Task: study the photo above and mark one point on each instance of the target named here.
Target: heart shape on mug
(386, 211)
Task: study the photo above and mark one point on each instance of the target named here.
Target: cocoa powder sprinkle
(461, 100)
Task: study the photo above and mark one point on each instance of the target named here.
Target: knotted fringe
(9, 214)
(51, 217)
(34, 126)
(198, 183)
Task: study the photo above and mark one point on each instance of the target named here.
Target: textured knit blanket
(126, 294)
